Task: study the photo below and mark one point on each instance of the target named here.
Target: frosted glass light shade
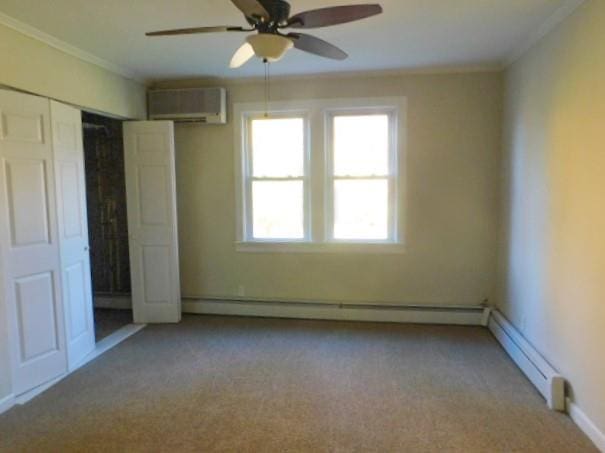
(270, 47)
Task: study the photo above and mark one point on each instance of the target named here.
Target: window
(276, 183)
(321, 176)
(363, 176)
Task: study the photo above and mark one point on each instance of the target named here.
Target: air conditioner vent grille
(198, 104)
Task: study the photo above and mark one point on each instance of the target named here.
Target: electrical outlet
(241, 290)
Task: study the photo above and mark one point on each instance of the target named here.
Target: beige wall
(30, 65)
(553, 251)
(452, 158)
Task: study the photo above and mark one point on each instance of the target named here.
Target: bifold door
(152, 223)
(29, 241)
(68, 152)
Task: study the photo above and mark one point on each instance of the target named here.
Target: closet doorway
(107, 223)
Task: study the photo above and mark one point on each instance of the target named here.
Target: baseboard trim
(31, 394)
(586, 424)
(6, 403)
(544, 377)
(332, 311)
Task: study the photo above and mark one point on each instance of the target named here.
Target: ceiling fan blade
(251, 8)
(191, 31)
(316, 46)
(242, 55)
(333, 16)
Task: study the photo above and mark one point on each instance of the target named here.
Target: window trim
(317, 210)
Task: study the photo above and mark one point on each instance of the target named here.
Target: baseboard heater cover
(456, 315)
(586, 424)
(544, 377)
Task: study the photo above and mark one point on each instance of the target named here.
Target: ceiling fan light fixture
(270, 47)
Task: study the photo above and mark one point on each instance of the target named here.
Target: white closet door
(68, 152)
(152, 223)
(29, 241)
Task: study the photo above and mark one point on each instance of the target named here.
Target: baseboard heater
(457, 315)
(546, 379)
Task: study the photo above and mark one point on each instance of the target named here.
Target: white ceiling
(410, 34)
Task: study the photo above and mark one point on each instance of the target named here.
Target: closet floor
(107, 321)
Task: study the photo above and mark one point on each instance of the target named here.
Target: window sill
(315, 247)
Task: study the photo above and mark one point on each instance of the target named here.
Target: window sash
(249, 178)
(392, 177)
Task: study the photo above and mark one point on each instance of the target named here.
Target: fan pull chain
(267, 88)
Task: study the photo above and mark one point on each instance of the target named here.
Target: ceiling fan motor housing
(279, 12)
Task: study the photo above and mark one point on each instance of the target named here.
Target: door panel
(68, 151)
(74, 293)
(37, 315)
(151, 195)
(68, 174)
(156, 268)
(28, 233)
(26, 191)
(22, 127)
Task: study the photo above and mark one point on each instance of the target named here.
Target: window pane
(361, 145)
(277, 208)
(361, 209)
(278, 147)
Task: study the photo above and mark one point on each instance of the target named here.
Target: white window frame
(249, 178)
(392, 177)
(318, 208)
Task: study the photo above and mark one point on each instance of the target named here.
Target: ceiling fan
(269, 17)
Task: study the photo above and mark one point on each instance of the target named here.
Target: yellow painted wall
(452, 159)
(30, 65)
(553, 249)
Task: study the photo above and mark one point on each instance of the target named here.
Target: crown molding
(563, 12)
(66, 48)
(370, 73)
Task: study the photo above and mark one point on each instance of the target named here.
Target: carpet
(220, 384)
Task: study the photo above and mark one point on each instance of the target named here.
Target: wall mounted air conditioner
(203, 105)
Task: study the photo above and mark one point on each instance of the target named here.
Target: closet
(43, 239)
(46, 309)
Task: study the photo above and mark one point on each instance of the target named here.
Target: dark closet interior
(107, 222)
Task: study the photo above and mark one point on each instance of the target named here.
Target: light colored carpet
(260, 385)
(107, 321)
